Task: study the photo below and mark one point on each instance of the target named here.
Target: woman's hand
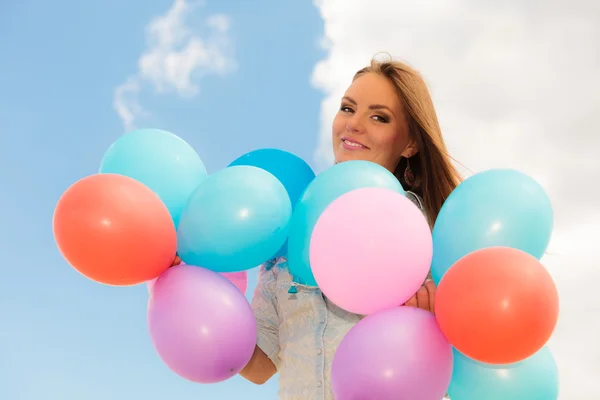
(176, 261)
(424, 298)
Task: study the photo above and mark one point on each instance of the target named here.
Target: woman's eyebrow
(371, 107)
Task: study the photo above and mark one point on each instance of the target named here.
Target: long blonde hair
(435, 177)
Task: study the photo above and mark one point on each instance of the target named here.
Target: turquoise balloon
(236, 220)
(535, 378)
(292, 171)
(160, 160)
(324, 189)
(498, 207)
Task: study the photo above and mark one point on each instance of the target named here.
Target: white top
(301, 331)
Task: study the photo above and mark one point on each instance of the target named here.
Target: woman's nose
(354, 124)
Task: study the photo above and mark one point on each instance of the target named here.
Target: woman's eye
(379, 118)
(345, 109)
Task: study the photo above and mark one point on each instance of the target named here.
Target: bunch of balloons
(153, 199)
(353, 232)
(496, 303)
(369, 250)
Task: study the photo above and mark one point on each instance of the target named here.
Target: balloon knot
(270, 264)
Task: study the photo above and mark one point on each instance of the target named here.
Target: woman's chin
(340, 158)
(348, 157)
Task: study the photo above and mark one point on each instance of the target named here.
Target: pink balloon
(370, 250)
(150, 284)
(400, 353)
(200, 324)
(239, 279)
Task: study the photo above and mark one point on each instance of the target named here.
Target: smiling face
(371, 124)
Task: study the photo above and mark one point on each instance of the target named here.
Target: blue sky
(61, 335)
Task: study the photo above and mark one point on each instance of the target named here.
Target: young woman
(387, 117)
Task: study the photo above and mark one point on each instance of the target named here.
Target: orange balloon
(114, 230)
(497, 305)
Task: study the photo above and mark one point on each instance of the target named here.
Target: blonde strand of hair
(436, 176)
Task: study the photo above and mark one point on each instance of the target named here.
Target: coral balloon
(114, 230)
(497, 305)
(200, 324)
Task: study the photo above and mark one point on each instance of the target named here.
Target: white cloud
(516, 84)
(126, 102)
(176, 58)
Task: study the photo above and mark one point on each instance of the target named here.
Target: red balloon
(114, 230)
(497, 305)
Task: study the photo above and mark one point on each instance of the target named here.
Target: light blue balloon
(235, 220)
(498, 207)
(164, 162)
(324, 189)
(292, 171)
(535, 378)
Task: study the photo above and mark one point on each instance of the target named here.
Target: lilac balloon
(201, 325)
(399, 353)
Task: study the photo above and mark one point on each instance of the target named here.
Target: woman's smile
(352, 144)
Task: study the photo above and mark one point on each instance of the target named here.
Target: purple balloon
(201, 325)
(399, 353)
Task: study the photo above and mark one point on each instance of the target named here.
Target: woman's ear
(410, 149)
